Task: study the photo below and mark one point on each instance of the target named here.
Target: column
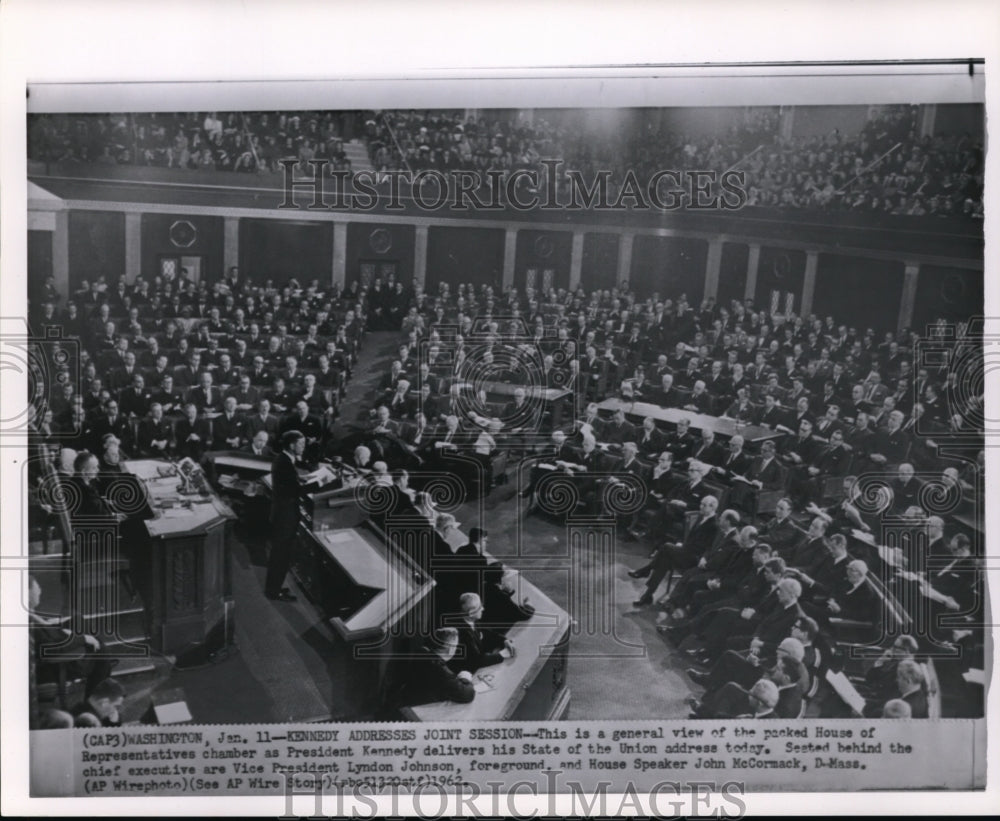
(420, 255)
(230, 244)
(928, 118)
(713, 265)
(753, 263)
(338, 276)
(625, 257)
(809, 283)
(60, 253)
(133, 245)
(509, 255)
(911, 276)
(576, 261)
(787, 122)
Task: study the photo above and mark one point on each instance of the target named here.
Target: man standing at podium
(284, 515)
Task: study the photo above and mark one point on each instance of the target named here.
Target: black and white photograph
(605, 424)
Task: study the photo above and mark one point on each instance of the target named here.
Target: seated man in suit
(263, 420)
(399, 404)
(725, 696)
(858, 602)
(681, 443)
(651, 441)
(259, 445)
(80, 653)
(700, 400)
(590, 421)
(309, 426)
(229, 428)
(832, 460)
(708, 451)
(619, 431)
(156, 434)
(206, 397)
(477, 647)
(735, 463)
(430, 678)
(667, 396)
(101, 707)
(247, 397)
(679, 555)
(192, 433)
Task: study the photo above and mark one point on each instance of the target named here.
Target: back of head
(766, 692)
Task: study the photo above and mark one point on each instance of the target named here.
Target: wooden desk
(555, 398)
(183, 570)
(752, 434)
(391, 585)
(529, 686)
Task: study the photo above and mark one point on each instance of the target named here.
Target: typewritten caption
(268, 760)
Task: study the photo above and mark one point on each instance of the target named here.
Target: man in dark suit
(156, 434)
(430, 679)
(399, 404)
(111, 421)
(735, 463)
(192, 433)
(134, 400)
(477, 647)
(308, 425)
(168, 398)
(679, 555)
(619, 430)
(858, 602)
(651, 441)
(263, 420)
(681, 443)
(229, 428)
(206, 397)
(258, 446)
(708, 450)
(284, 514)
(245, 394)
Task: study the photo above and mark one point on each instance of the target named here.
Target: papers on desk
(975, 677)
(481, 685)
(174, 713)
(175, 513)
(337, 536)
(321, 476)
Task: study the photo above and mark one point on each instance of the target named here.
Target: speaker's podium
(182, 567)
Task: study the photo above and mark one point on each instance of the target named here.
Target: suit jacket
(129, 402)
(284, 497)
(619, 434)
(769, 475)
(859, 604)
(712, 454)
(735, 465)
(430, 679)
(150, 430)
(781, 535)
(251, 398)
(681, 446)
(918, 703)
(808, 555)
(255, 424)
(477, 648)
(651, 444)
(210, 400)
(832, 461)
(776, 626)
(224, 428)
(701, 536)
(770, 417)
(311, 427)
(893, 446)
(194, 449)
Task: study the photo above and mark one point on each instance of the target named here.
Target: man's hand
(465, 676)
(714, 584)
(832, 606)
(92, 642)
(747, 613)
